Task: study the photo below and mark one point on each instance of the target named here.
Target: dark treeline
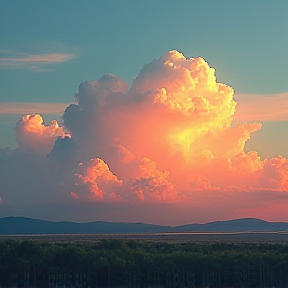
(129, 263)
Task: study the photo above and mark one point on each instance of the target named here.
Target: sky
(161, 112)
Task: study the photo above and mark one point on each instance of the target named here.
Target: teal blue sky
(246, 41)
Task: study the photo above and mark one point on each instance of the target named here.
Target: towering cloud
(169, 138)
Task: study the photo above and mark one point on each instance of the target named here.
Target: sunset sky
(165, 112)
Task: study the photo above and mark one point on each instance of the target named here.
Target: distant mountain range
(23, 225)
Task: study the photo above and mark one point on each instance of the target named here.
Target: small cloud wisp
(16, 60)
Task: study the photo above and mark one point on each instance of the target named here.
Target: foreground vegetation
(129, 263)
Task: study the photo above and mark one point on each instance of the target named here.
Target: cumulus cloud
(94, 181)
(169, 138)
(33, 136)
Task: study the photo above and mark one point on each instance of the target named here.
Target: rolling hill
(23, 225)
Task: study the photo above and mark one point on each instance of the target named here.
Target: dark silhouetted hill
(236, 225)
(23, 225)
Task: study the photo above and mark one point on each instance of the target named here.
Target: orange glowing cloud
(169, 138)
(152, 184)
(35, 137)
(95, 182)
(175, 114)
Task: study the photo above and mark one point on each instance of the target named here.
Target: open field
(276, 237)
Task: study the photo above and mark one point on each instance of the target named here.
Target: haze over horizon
(169, 146)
